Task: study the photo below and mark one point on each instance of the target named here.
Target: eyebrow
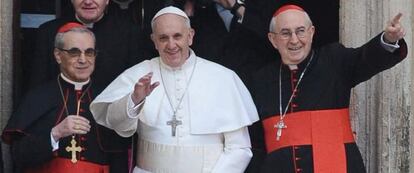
(300, 27)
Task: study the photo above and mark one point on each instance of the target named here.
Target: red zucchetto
(69, 26)
(287, 7)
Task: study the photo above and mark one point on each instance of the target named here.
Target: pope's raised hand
(394, 30)
(143, 88)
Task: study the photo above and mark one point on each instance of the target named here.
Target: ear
(312, 31)
(190, 36)
(154, 40)
(272, 38)
(56, 52)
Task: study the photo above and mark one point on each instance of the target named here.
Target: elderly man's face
(89, 10)
(172, 38)
(77, 68)
(292, 36)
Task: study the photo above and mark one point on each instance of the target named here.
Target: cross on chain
(280, 126)
(174, 123)
(73, 148)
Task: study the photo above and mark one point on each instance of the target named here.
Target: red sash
(325, 130)
(62, 165)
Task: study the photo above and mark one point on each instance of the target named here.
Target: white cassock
(215, 112)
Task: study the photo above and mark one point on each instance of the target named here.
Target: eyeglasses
(76, 52)
(286, 34)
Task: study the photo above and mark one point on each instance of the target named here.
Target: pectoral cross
(280, 125)
(174, 123)
(73, 148)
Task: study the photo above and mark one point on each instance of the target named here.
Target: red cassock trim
(62, 165)
(326, 130)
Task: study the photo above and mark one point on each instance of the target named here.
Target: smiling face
(89, 11)
(76, 68)
(293, 49)
(172, 38)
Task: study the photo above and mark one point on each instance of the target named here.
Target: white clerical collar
(78, 85)
(88, 25)
(293, 66)
(189, 62)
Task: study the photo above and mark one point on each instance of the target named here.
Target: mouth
(89, 8)
(172, 52)
(82, 68)
(294, 48)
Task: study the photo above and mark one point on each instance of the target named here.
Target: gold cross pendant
(73, 148)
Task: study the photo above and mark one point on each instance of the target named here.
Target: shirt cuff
(387, 46)
(55, 144)
(132, 109)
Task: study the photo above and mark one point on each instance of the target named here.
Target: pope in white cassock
(193, 119)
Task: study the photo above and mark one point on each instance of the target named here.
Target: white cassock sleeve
(117, 117)
(237, 152)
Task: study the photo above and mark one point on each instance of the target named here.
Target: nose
(170, 44)
(82, 58)
(294, 38)
(87, 1)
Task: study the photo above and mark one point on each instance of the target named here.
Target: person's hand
(394, 30)
(227, 4)
(72, 124)
(143, 88)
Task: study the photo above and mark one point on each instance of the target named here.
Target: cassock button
(82, 158)
(298, 170)
(81, 110)
(83, 149)
(297, 158)
(296, 147)
(55, 154)
(294, 80)
(83, 138)
(294, 105)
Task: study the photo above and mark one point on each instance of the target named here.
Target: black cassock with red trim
(29, 131)
(325, 89)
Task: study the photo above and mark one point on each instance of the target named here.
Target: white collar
(78, 85)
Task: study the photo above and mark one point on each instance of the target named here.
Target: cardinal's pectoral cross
(174, 123)
(73, 148)
(280, 126)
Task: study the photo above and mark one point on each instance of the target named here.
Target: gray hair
(60, 43)
(272, 25)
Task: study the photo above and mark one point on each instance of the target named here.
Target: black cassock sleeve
(32, 150)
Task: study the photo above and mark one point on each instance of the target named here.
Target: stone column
(6, 68)
(381, 107)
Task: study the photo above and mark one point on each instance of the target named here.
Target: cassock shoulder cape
(219, 100)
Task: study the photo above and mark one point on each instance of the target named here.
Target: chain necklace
(281, 125)
(73, 148)
(174, 122)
